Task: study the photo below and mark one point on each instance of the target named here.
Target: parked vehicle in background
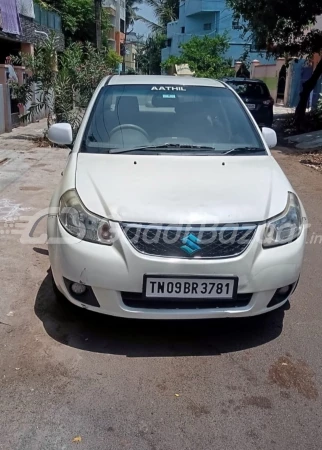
(255, 94)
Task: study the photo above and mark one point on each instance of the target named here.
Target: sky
(140, 27)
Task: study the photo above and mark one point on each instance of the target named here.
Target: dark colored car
(255, 94)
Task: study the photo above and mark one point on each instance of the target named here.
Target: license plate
(250, 106)
(194, 287)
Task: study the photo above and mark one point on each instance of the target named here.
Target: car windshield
(246, 89)
(172, 119)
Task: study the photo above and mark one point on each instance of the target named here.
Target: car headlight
(286, 227)
(81, 223)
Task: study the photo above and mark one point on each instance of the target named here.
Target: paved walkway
(22, 159)
(22, 137)
(280, 110)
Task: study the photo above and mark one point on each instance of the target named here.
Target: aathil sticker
(168, 88)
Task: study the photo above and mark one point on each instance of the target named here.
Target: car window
(128, 116)
(255, 90)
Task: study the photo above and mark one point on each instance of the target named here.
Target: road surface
(99, 383)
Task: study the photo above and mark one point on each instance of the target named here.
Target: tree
(142, 59)
(78, 19)
(131, 12)
(205, 56)
(282, 29)
(148, 56)
(165, 11)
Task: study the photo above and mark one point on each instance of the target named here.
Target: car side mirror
(61, 134)
(270, 137)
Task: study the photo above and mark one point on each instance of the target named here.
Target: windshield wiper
(166, 146)
(244, 151)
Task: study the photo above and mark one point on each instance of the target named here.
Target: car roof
(241, 79)
(163, 80)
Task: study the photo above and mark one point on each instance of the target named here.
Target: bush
(205, 57)
(318, 110)
(62, 86)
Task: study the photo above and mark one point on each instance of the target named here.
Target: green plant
(205, 57)
(39, 88)
(148, 55)
(81, 68)
(22, 92)
(62, 86)
(165, 11)
(131, 12)
(78, 19)
(318, 110)
(130, 71)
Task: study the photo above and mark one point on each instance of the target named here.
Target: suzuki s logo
(168, 88)
(190, 244)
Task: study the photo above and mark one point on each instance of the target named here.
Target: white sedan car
(171, 205)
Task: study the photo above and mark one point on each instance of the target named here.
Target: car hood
(181, 189)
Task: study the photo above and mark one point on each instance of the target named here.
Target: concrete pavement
(280, 110)
(137, 385)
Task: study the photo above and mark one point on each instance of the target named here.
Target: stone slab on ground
(306, 141)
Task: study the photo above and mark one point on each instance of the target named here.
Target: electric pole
(98, 23)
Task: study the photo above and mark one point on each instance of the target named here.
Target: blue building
(207, 17)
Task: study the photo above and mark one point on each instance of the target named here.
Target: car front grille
(190, 241)
(136, 300)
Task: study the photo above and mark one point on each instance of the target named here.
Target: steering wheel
(129, 126)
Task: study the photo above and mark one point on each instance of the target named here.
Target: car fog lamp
(78, 288)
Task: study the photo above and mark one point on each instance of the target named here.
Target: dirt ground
(117, 384)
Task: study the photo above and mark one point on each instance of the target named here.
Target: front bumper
(111, 271)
